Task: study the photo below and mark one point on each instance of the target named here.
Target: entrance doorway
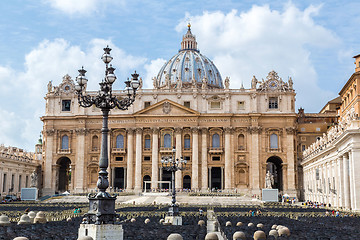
(165, 176)
(274, 166)
(119, 178)
(187, 182)
(146, 185)
(64, 175)
(215, 181)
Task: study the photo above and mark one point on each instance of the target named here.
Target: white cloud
(152, 69)
(260, 40)
(22, 93)
(82, 7)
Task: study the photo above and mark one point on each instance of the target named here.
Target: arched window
(167, 141)
(187, 141)
(65, 142)
(147, 141)
(274, 141)
(215, 140)
(95, 143)
(93, 176)
(241, 142)
(120, 141)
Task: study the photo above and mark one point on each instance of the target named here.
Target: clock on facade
(273, 84)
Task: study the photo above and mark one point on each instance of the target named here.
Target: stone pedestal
(173, 220)
(102, 231)
(270, 195)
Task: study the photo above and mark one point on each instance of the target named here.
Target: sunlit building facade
(229, 137)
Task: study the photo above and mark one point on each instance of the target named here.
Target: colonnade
(334, 180)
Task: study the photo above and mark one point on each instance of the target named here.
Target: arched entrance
(187, 182)
(119, 178)
(147, 185)
(64, 174)
(274, 166)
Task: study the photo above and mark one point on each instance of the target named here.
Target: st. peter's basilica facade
(229, 137)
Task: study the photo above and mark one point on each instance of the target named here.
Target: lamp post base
(101, 210)
(173, 220)
(103, 231)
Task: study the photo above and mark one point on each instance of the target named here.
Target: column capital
(195, 129)
(50, 132)
(290, 130)
(204, 130)
(254, 130)
(138, 130)
(178, 130)
(228, 129)
(130, 130)
(155, 130)
(81, 131)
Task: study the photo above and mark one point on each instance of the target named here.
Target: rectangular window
(215, 105)
(147, 104)
(187, 104)
(216, 158)
(147, 143)
(187, 158)
(119, 159)
(12, 182)
(273, 103)
(66, 105)
(241, 105)
(147, 158)
(303, 147)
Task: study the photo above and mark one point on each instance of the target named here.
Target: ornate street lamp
(172, 164)
(102, 204)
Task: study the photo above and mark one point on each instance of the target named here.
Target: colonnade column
(346, 182)
(138, 159)
(130, 159)
(178, 174)
(356, 178)
(339, 188)
(228, 165)
(195, 159)
(204, 168)
(155, 159)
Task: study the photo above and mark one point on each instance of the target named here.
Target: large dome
(189, 68)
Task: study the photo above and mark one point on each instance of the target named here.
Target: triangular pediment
(167, 107)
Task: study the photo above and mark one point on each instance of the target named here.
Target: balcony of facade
(118, 150)
(216, 150)
(166, 150)
(64, 151)
(95, 150)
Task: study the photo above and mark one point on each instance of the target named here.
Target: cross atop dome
(189, 41)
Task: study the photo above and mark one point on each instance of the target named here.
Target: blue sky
(42, 40)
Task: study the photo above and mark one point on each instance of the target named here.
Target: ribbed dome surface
(190, 67)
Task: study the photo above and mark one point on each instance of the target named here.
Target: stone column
(130, 159)
(79, 180)
(155, 159)
(339, 185)
(195, 159)
(326, 183)
(138, 159)
(48, 171)
(178, 146)
(204, 167)
(356, 178)
(351, 181)
(346, 181)
(290, 158)
(228, 166)
(254, 159)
